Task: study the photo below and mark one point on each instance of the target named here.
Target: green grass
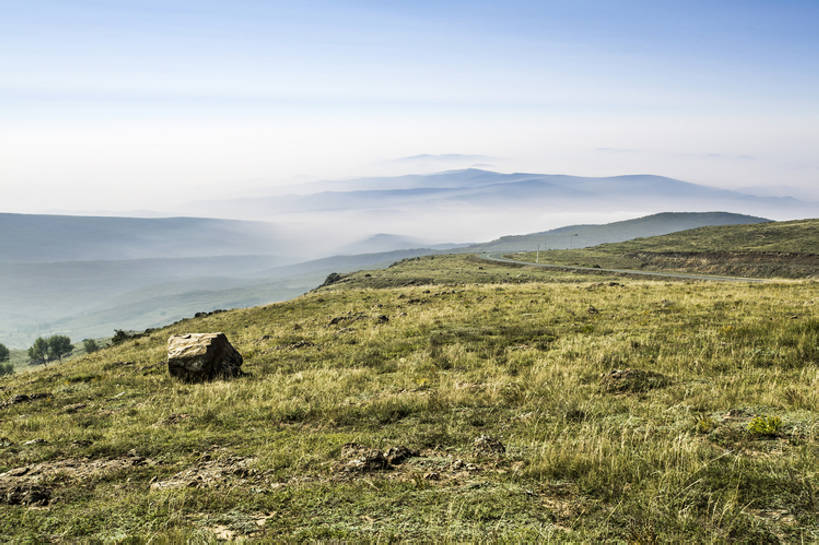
(778, 249)
(468, 349)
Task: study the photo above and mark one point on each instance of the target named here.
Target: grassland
(777, 249)
(708, 432)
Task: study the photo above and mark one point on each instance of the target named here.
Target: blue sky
(99, 96)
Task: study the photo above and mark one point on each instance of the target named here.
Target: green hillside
(443, 399)
(788, 249)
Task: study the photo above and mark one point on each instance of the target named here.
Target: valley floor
(443, 399)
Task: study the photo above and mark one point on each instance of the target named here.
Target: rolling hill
(788, 249)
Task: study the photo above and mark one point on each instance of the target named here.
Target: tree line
(44, 350)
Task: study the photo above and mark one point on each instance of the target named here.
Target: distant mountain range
(35, 238)
(482, 188)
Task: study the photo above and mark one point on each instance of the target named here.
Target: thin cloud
(697, 155)
(617, 150)
(442, 158)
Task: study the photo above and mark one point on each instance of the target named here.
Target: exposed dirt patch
(36, 484)
(358, 458)
(632, 380)
(348, 318)
(176, 418)
(782, 264)
(210, 472)
(25, 398)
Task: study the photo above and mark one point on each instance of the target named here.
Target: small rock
(383, 319)
(370, 461)
(397, 455)
(457, 465)
(70, 409)
(486, 444)
(35, 442)
(432, 476)
(363, 458)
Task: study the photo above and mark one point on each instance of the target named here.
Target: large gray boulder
(196, 357)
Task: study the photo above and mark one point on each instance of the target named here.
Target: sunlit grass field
(785, 249)
(499, 380)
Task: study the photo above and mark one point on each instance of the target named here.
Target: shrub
(704, 424)
(6, 369)
(121, 336)
(764, 426)
(90, 345)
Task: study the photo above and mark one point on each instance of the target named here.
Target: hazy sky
(122, 105)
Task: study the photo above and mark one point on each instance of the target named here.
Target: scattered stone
(458, 465)
(591, 310)
(633, 380)
(486, 444)
(383, 319)
(195, 357)
(397, 455)
(365, 459)
(70, 409)
(432, 476)
(25, 398)
(297, 327)
(33, 442)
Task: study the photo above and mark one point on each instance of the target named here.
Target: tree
(90, 345)
(59, 346)
(6, 369)
(38, 353)
(4, 353)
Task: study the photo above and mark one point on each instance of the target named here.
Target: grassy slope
(579, 236)
(130, 453)
(778, 249)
